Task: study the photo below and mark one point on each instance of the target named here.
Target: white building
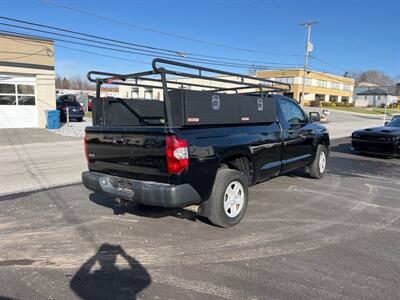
(375, 97)
(27, 81)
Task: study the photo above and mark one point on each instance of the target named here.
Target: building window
(7, 88)
(322, 83)
(335, 85)
(333, 98)
(148, 93)
(308, 81)
(346, 87)
(26, 94)
(7, 94)
(345, 99)
(378, 97)
(135, 93)
(289, 80)
(320, 97)
(17, 94)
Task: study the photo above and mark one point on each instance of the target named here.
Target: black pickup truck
(203, 145)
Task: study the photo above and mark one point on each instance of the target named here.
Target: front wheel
(228, 202)
(318, 167)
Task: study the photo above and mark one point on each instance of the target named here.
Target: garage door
(18, 102)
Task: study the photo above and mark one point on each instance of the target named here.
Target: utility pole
(309, 47)
(386, 105)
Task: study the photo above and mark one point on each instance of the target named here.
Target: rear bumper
(145, 192)
(73, 115)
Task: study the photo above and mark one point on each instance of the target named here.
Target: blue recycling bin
(53, 119)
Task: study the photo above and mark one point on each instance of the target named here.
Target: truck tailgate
(136, 152)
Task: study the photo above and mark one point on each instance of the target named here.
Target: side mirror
(386, 123)
(315, 116)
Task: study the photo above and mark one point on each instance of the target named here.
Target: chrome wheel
(322, 162)
(233, 199)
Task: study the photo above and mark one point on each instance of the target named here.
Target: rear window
(72, 103)
(67, 97)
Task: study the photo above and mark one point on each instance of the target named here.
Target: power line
(212, 62)
(173, 52)
(327, 75)
(131, 52)
(327, 63)
(76, 49)
(104, 55)
(162, 32)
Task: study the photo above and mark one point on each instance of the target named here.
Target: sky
(350, 35)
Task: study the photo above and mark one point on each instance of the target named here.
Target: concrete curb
(380, 116)
(18, 193)
(60, 143)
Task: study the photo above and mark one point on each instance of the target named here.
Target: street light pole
(309, 46)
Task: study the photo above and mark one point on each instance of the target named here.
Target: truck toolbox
(187, 108)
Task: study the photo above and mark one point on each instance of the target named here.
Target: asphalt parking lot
(334, 238)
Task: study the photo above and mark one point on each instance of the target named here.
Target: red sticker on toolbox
(193, 120)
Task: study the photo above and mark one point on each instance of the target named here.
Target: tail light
(85, 147)
(177, 154)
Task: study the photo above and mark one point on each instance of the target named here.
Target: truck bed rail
(172, 75)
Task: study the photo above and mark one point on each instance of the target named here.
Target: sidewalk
(342, 124)
(33, 159)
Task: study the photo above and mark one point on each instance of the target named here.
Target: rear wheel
(79, 119)
(228, 202)
(318, 167)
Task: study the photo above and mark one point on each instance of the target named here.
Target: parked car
(69, 103)
(206, 150)
(384, 140)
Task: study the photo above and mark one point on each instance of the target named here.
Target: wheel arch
(241, 162)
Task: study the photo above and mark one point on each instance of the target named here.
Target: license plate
(121, 184)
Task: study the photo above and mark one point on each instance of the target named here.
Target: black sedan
(70, 106)
(383, 140)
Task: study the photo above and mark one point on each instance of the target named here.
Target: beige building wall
(336, 86)
(157, 92)
(24, 56)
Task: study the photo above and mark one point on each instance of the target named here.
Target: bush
(315, 103)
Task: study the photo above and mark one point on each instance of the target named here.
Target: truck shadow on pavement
(106, 280)
(362, 164)
(155, 212)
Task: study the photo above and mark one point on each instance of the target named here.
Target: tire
(318, 167)
(79, 119)
(229, 184)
